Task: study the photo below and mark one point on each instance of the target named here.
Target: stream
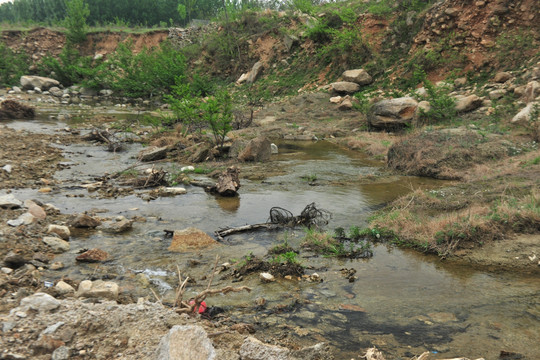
(402, 301)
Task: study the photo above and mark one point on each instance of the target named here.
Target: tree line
(126, 12)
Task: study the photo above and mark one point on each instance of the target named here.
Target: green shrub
(70, 67)
(12, 65)
(75, 21)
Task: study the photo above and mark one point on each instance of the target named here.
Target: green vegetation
(12, 65)
(75, 22)
(328, 245)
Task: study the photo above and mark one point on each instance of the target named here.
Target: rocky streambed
(403, 302)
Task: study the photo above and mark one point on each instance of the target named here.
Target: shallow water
(402, 302)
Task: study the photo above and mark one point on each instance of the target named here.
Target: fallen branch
(279, 217)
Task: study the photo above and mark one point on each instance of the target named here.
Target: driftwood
(228, 183)
(106, 137)
(10, 109)
(279, 217)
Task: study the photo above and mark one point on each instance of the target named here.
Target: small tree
(75, 22)
(217, 112)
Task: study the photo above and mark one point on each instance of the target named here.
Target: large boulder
(190, 239)
(392, 114)
(44, 83)
(345, 87)
(186, 342)
(153, 153)
(359, 76)
(258, 149)
(523, 117)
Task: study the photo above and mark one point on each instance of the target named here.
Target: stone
(345, 105)
(421, 92)
(242, 78)
(459, 82)
(14, 260)
(318, 351)
(345, 87)
(24, 219)
(258, 149)
(16, 90)
(172, 191)
(98, 289)
(56, 91)
(6, 270)
(468, 103)
(46, 344)
(267, 277)
(7, 168)
(153, 153)
(40, 302)
(36, 210)
(57, 265)
(61, 353)
(10, 202)
(52, 328)
(64, 288)
(87, 92)
(502, 77)
(336, 99)
(274, 148)
(423, 107)
(44, 83)
(254, 72)
(60, 230)
(497, 94)
(358, 76)
(93, 255)
(190, 239)
(56, 244)
(253, 349)
(289, 41)
(532, 90)
(186, 342)
(524, 115)
(392, 114)
(117, 226)
(84, 221)
(105, 92)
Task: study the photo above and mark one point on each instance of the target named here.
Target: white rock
(267, 277)
(523, 117)
(187, 168)
(40, 302)
(98, 289)
(274, 148)
(10, 202)
(64, 288)
(171, 191)
(335, 99)
(186, 342)
(24, 219)
(60, 230)
(7, 168)
(6, 270)
(56, 244)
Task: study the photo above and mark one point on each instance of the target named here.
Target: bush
(70, 67)
(12, 65)
(75, 21)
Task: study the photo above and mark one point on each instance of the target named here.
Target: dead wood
(280, 217)
(228, 183)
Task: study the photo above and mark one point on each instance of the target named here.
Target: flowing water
(402, 302)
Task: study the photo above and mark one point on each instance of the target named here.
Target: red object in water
(202, 306)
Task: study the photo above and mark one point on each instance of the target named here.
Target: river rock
(345, 105)
(497, 94)
(56, 91)
(358, 76)
(532, 90)
(392, 114)
(15, 260)
(46, 344)
(93, 255)
(468, 103)
(345, 87)
(62, 353)
(56, 244)
(336, 99)
(10, 202)
(253, 349)
(258, 149)
(40, 302)
(64, 288)
(88, 92)
(7, 168)
(36, 210)
(274, 148)
(24, 219)
(98, 289)
(267, 277)
(190, 239)
(44, 83)
(153, 153)
(117, 226)
(186, 342)
(255, 72)
(172, 191)
(60, 230)
(84, 221)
